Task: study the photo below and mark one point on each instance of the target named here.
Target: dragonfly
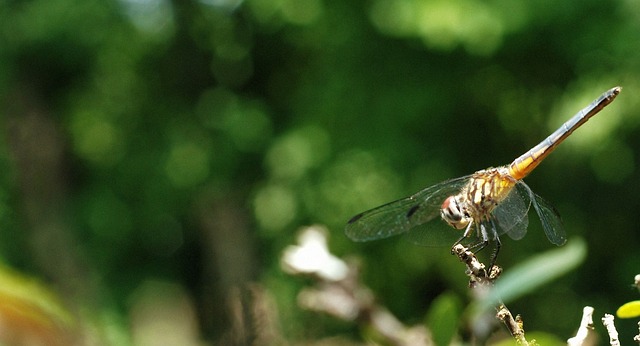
(483, 205)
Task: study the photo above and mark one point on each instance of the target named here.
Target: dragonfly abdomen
(527, 162)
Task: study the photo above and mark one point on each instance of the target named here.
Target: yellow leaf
(629, 310)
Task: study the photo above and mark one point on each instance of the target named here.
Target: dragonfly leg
(456, 243)
(486, 235)
(465, 234)
(467, 231)
(477, 247)
(494, 255)
(484, 238)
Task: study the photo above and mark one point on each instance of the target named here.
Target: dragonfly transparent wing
(511, 214)
(404, 215)
(549, 216)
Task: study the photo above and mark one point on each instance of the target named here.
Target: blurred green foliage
(187, 141)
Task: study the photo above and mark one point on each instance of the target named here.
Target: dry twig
(585, 329)
(514, 325)
(481, 281)
(607, 320)
(338, 291)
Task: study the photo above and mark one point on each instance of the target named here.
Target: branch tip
(585, 329)
(607, 320)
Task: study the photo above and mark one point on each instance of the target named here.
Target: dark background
(163, 153)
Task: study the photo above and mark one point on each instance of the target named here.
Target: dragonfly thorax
(478, 198)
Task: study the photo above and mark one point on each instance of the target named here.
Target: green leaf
(443, 317)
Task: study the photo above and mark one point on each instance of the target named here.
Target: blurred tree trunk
(37, 148)
(229, 266)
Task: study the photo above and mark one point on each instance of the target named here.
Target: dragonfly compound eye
(452, 213)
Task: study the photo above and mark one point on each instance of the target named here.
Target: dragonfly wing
(404, 215)
(382, 222)
(551, 221)
(549, 216)
(511, 214)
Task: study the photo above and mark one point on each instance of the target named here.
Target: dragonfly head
(452, 213)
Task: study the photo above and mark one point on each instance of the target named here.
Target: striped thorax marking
(486, 189)
(475, 202)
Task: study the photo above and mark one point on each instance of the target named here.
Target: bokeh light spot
(248, 128)
(353, 183)
(151, 16)
(96, 139)
(302, 12)
(442, 25)
(187, 165)
(298, 151)
(275, 207)
(246, 123)
(163, 313)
